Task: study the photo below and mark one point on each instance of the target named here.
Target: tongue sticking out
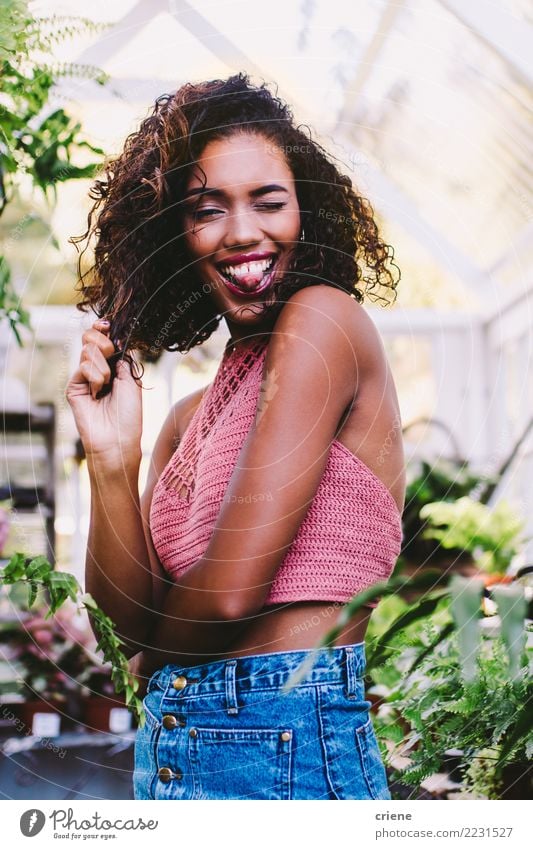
(249, 280)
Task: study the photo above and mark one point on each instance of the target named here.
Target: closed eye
(278, 205)
(205, 213)
(210, 211)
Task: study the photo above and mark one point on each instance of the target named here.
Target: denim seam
(322, 742)
(154, 739)
(177, 700)
(289, 757)
(361, 736)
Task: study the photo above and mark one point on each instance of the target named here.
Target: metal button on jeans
(169, 722)
(285, 736)
(180, 682)
(165, 774)
(193, 732)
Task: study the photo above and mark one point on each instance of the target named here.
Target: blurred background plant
(43, 658)
(452, 673)
(448, 521)
(491, 536)
(37, 143)
(47, 645)
(431, 708)
(443, 481)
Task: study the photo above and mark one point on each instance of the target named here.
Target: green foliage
(492, 535)
(445, 711)
(38, 573)
(10, 306)
(33, 143)
(444, 481)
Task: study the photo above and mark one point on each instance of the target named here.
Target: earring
(302, 235)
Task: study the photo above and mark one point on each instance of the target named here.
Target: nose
(243, 228)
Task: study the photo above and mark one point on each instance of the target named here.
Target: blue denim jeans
(225, 730)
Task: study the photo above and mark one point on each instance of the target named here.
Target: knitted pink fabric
(350, 537)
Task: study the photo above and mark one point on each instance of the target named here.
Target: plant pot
(106, 713)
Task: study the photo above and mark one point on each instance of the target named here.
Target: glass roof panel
(451, 125)
(408, 86)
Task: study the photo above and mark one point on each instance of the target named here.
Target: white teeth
(248, 267)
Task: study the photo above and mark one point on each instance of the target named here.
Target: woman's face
(242, 226)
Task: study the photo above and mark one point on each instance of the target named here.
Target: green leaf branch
(38, 574)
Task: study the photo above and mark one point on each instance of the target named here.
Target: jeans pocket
(241, 763)
(372, 766)
(353, 762)
(145, 756)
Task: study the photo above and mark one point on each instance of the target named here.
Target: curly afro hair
(141, 269)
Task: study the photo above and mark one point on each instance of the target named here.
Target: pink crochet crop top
(350, 537)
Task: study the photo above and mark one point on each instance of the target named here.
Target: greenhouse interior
(427, 107)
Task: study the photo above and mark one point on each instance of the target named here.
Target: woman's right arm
(118, 573)
(123, 572)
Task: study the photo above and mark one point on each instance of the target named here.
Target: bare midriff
(297, 625)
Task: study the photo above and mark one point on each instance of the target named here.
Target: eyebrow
(262, 190)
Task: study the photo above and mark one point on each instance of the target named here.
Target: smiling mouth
(249, 278)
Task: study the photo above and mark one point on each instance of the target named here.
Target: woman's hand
(110, 427)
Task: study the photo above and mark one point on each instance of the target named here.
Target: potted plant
(446, 481)
(476, 719)
(451, 686)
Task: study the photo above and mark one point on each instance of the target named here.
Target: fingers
(96, 349)
(95, 376)
(98, 335)
(77, 386)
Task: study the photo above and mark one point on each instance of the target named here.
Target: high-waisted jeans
(225, 730)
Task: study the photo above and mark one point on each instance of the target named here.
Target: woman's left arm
(322, 347)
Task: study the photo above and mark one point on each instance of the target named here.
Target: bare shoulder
(330, 317)
(371, 426)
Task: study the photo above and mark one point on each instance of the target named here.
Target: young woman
(275, 493)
